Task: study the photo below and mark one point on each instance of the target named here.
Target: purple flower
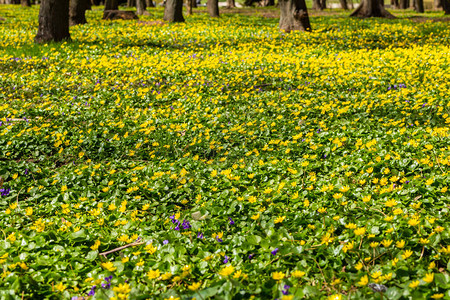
(92, 291)
(219, 240)
(26, 171)
(231, 221)
(274, 252)
(165, 242)
(200, 235)
(225, 260)
(5, 191)
(186, 224)
(250, 256)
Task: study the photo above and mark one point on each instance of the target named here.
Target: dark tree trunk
(317, 5)
(213, 8)
(294, 15)
(53, 21)
(77, 11)
(149, 3)
(111, 5)
(266, 3)
(437, 4)
(419, 6)
(344, 4)
(231, 4)
(446, 6)
(25, 3)
(173, 12)
(189, 4)
(395, 4)
(131, 3)
(371, 8)
(404, 4)
(141, 7)
(323, 4)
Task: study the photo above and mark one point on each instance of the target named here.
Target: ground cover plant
(233, 160)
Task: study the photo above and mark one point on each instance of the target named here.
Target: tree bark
(266, 3)
(446, 6)
(344, 4)
(53, 21)
(371, 8)
(404, 4)
(173, 12)
(395, 4)
(231, 4)
(131, 3)
(419, 6)
(149, 3)
(294, 15)
(213, 8)
(437, 4)
(317, 5)
(189, 5)
(25, 3)
(77, 11)
(111, 5)
(141, 7)
(323, 4)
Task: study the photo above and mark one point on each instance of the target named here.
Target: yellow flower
(414, 284)
(437, 296)
(400, 244)
(359, 266)
(279, 219)
(195, 286)
(363, 281)
(386, 243)
(360, 231)
(298, 274)
(255, 217)
(413, 221)
(153, 274)
(228, 270)
(429, 278)
(166, 276)
(335, 297)
(366, 198)
(150, 249)
(60, 287)
(278, 275)
(96, 244)
(109, 266)
(407, 254)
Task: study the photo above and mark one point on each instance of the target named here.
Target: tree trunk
(294, 15)
(404, 4)
(189, 4)
(323, 4)
(231, 4)
(25, 3)
(149, 3)
(265, 3)
(446, 6)
(111, 5)
(173, 12)
(131, 3)
(77, 11)
(141, 7)
(317, 5)
(419, 6)
(395, 4)
(437, 4)
(53, 21)
(213, 8)
(371, 8)
(344, 4)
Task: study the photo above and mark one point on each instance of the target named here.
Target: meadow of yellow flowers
(224, 159)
